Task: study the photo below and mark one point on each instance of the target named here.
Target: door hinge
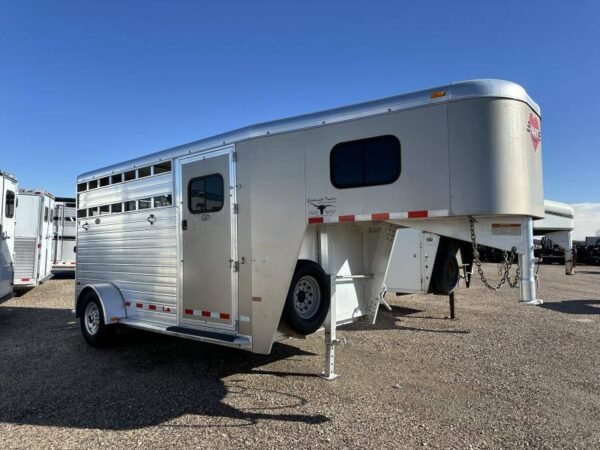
(234, 157)
(235, 208)
(234, 265)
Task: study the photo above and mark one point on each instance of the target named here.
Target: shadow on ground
(50, 376)
(574, 306)
(388, 320)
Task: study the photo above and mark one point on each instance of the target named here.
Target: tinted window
(162, 167)
(130, 205)
(145, 203)
(366, 162)
(116, 207)
(93, 184)
(9, 206)
(129, 175)
(144, 172)
(81, 187)
(162, 200)
(81, 213)
(104, 181)
(45, 214)
(104, 210)
(92, 212)
(117, 178)
(205, 194)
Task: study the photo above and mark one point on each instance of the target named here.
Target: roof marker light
(438, 94)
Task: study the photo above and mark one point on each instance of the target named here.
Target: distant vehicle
(33, 238)
(274, 230)
(8, 202)
(592, 240)
(64, 235)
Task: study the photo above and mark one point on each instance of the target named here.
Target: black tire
(446, 271)
(308, 299)
(91, 311)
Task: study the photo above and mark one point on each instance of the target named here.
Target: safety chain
(505, 265)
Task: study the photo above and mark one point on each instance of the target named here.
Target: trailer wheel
(94, 330)
(446, 271)
(308, 299)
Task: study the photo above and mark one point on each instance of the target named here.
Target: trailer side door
(208, 235)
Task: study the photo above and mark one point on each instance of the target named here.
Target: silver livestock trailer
(33, 238)
(274, 230)
(64, 235)
(416, 253)
(8, 202)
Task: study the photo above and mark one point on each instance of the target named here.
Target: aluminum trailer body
(33, 238)
(8, 201)
(64, 236)
(229, 239)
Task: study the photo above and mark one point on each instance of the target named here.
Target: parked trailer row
(275, 230)
(37, 235)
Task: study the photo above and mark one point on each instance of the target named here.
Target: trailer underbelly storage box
(8, 201)
(278, 229)
(33, 238)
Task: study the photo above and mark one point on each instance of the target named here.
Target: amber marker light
(438, 94)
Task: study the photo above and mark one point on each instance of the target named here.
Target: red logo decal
(533, 128)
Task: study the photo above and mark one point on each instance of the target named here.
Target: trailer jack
(330, 335)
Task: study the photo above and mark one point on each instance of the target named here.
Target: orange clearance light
(438, 94)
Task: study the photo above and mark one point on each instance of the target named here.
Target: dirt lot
(501, 375)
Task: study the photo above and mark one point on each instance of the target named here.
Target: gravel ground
(501, 375)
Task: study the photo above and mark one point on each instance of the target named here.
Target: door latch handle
(151, 219)
(85, 226)
(184, 224)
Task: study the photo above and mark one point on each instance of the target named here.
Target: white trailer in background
(33, 238)
(557, 225)
(274, 230)
(65, 233)
(8, 202)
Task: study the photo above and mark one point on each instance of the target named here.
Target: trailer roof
(41, 192)
(559, 209)
(451, 92)
(8, 175)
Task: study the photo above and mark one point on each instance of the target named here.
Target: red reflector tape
(224, 316)
(315, 220)
(139, 305)
(349, 218)
(24, 279)
(205, 313)
(127, 303)
(417, 214)
(380, 216)
(189, 312)
(152, 307)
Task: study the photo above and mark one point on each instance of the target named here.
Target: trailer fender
(113, 305)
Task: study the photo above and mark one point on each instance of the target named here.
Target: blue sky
(86, 84)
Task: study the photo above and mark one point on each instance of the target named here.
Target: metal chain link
(504, 266)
